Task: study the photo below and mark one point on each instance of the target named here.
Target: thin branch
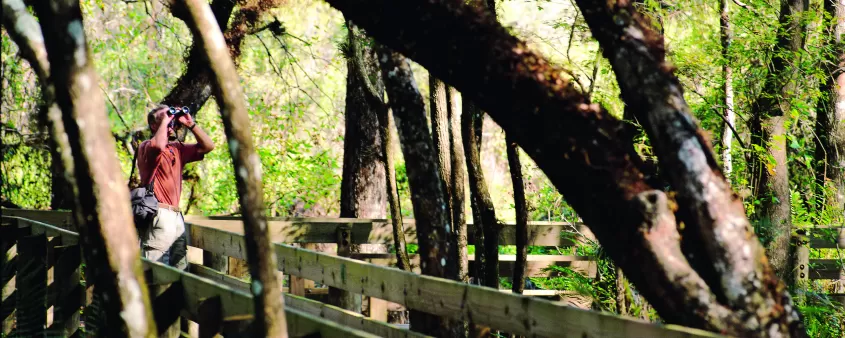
(117, 110)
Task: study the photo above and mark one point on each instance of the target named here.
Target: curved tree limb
(713, 214)
(265, 287)
(576, 143)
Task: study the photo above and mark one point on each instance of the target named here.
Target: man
(161, 158)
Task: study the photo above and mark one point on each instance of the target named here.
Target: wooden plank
(32, 286)
(315, 308)
(70, 297)
(534, 268)
(827, 238)
(512, 313)
(323, 230)
(826, 269)
(59, 219)
(8, 270)
(237, 305)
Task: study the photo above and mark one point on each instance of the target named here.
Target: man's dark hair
(151, 116)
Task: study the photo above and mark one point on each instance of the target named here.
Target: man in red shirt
(161, 158)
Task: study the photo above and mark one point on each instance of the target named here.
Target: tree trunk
(362, 188)
(770, 113)
(427, 195)
(489, 265)
(727, 88)
(830, 144)
(23, 29)
(193, 88)
(580, 147)
(521, 207)
(402, 259)
(265, 287)
(439, 107)
(101, 209)
(458, 186)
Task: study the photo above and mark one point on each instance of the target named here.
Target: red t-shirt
(167, 168)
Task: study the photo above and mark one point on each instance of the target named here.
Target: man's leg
(178, 257)
(161, 236)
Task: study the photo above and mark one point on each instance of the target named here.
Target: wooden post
(298, 285)
(32, 285)
(339, 297)
(210, 317)
(8, 269)
(69, 290)
(801, 277)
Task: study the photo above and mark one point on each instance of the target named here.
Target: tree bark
(579, 146)
(87, 150)
(265, 288)
(362, 188)
(427, 195)
(830, 143)
(770, 113)
(458, 186)
(521, 206)
(726, 36)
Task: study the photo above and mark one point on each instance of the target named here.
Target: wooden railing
(501, 311)
(807, 269)
(43, 293)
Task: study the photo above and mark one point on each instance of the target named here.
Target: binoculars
(178, 111)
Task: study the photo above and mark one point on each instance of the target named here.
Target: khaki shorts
(166, 240)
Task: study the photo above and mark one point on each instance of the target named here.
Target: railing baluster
(32, 284)
(8, 270)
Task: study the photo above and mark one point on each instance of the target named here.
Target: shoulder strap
(134, 164)
(134, 159)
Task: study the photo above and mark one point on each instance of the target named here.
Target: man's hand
(186, 120)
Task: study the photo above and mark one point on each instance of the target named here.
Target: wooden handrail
(512, 313)
(235, 305)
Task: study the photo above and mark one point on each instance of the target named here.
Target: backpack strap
(132, 172)
(134, 158)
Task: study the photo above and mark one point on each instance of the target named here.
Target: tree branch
(577, 144)
(266, 290)
(736, 267)
(102, 212)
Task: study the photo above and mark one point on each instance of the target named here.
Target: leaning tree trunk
(582, 150)
(402, 259)
(458, 186)
(444, 112)
(427, 195)
(362, 188)
(770, 114)
(830, 143)
(488, 271)
(521, 206)
(101, 210)
(726, 36)
(265, 287)
(439, 108)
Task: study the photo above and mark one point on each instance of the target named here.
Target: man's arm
(159, 140)
(204, 143)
